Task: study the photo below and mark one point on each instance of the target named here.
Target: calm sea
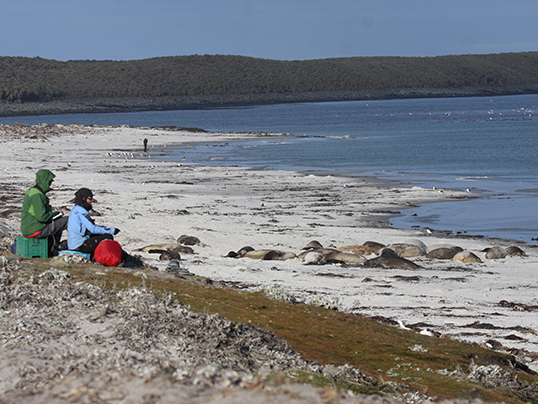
(485, 144)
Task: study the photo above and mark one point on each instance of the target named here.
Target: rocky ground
(62, 342)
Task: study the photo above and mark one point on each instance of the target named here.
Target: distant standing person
(82, 233)
(37, 218)
(145, 145)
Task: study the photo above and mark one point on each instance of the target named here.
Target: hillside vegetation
(24, 80)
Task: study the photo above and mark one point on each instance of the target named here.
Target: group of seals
(387, 256)
(170, 251)
(314, 254)
(317, 255)
(500, 252)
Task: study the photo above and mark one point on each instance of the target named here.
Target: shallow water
(503, 215)
(485, 144)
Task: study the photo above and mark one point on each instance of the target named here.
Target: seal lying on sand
(495, 253)
(312, 245)
(374, 245)
(389, 259)
(240, 252)
(169, 255)
(271, 255)
(514, 250)
(159, 248)
(322, 251)
(408, 250)
(345, 257)
(443, 253)
(314, 258)
(188, 240)
(357, 249)
(466, 256)
(332, 255)
(267, 255)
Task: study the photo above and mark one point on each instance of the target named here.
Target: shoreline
(155, 201)
(131, 104)
(405, 221)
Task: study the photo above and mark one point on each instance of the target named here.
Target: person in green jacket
(38, 219)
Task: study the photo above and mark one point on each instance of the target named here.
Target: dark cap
(84, 193)
(81, 195)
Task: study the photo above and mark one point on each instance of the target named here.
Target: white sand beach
(155, 201)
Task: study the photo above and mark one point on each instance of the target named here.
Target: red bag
(108, 253)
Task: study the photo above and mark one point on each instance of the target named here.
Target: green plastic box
(32, 247)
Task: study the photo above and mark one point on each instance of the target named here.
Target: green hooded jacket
(36, 210)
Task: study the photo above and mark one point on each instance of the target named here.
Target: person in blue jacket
(82, 233)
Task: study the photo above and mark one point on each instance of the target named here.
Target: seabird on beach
(402, 326)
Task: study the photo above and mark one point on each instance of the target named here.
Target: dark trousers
(53, 231)
(91, 244)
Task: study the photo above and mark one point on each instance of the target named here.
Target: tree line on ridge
(36, 79)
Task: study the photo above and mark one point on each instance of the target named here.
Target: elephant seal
(496, 252)
(241, 252)
(165, 247)
(188, 240)
(357, 249)
(443, 253)
(322, 251)
(416, 242)
(407, 250)
(466, 256)
(312, 245)
(169, 255)
(332, 255)
(269, 255)
(314, 258)
(389, 259)
(440, 245)
(374, 245)
(514, 250)
(345, 257)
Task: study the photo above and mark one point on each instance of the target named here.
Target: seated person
(82, 233)
(37, 218)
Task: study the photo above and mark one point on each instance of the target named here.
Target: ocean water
(488, 145)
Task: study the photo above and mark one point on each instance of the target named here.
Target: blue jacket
(80, 227)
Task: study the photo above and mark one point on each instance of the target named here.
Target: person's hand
(116, 231)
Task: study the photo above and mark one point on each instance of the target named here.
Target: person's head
(44, 178)
(84, 198)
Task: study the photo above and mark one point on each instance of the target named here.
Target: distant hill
(237, 79)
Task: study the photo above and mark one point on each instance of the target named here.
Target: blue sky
(270, 29)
